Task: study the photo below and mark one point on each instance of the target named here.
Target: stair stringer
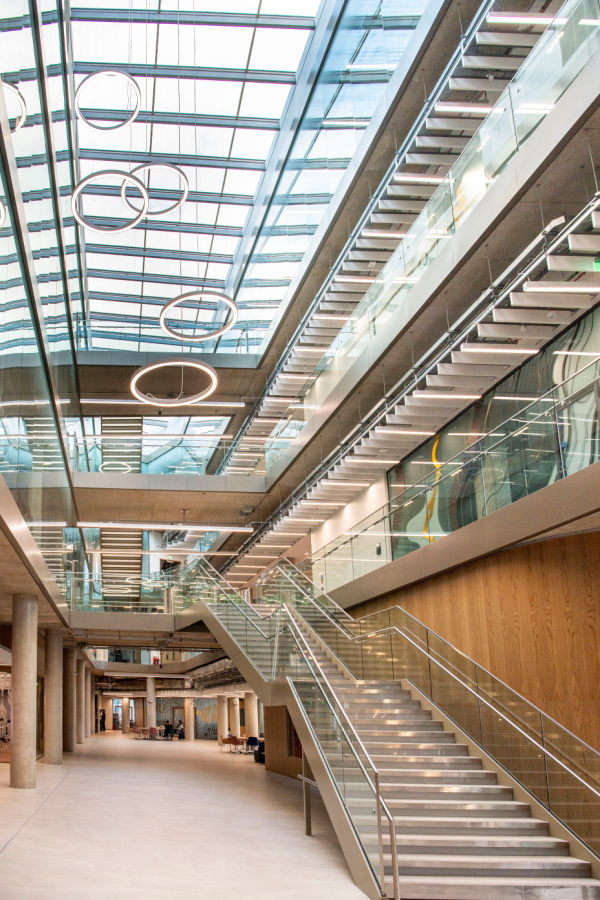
(279, 692)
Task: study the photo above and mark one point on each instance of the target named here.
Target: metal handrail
(480, 697)
(381, 805)
(424, 485)
(429, 631)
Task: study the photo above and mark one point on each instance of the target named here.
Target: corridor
(125, 818)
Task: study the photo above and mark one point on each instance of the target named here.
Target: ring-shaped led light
(125, 467)
(2, 214)
(110, 72)
(169, 209)
(105, 173)
(119, 591)
(213, 296)
(16, 93)
(176, 401)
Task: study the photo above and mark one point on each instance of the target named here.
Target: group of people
(171, 730)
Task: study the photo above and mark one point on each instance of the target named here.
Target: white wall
(357, 559)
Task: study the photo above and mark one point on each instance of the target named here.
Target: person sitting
(168, 730)
(180, 730)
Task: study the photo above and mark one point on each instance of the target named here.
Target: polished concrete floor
(124, 818)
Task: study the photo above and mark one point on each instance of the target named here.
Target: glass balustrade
(160, 455)
(554, 765)
(561, 53)
(547, 440)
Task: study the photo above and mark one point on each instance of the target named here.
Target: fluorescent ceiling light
(294, 518)
(476, 109)
(331, 483)
(226, 404)
(345, 123)
(280, 400)
(409, 178)
(423, 534)
(379, 233)
(592, 22)
(354, 279)
(577, 353)
(290, 533)
(324, 317)
(293, 377)
(323, 502)
(169, 526)
(561, 287)
(409, 432)
(46, 524)
(519, 351)
(508, 18)
(301, 349)
(450, 395)
(368, 460)
(276, 546)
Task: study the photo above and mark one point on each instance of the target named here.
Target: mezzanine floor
(124, 818)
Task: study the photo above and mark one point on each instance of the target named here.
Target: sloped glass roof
(260, 107)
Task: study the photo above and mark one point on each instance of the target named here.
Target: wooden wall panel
(277, 757)
(531, 615)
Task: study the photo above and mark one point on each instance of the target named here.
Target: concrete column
(108, 712)
(190, 719)
(125, 715)
(69, 705)
(92, 719)
(24, 690)
(251, 714)
(80, 727)
(234, 716)
(88, 703)
(53, 699)
(150, 702)
(222, 718)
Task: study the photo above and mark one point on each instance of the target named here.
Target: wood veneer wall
(531, 616)
(277, 756)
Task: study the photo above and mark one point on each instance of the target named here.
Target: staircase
(420, 814)
(459, 833)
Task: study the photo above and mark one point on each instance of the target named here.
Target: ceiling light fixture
(379, 233)
(14, 91)
(475, 109)
(481, 348)
(111, 73)
(508, 18)
(173, 401)
(409, 178)
(211, 296)
(116, 465)
(167, 526)
(110, 173)
(561, 287)
(169, 209)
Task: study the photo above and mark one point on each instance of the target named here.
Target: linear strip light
(167, 526)
(380, 233)
(368, 460)
(449, 395)
(476, 109)
(561, 287)
(410, 178)
(408, 431)
(577, 353)
(96, 401)
(519, 351)
(331, 483)
(500, 18)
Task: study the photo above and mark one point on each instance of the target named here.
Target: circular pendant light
(115, 466)
(112, 73)
(16, 93)
(210, 296)
(173, 401)
(169, 209)
(110, 173)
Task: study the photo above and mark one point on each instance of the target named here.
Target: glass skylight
(261, 123)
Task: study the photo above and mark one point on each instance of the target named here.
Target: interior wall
(367, 502)
(530, 615)
(277, 745)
